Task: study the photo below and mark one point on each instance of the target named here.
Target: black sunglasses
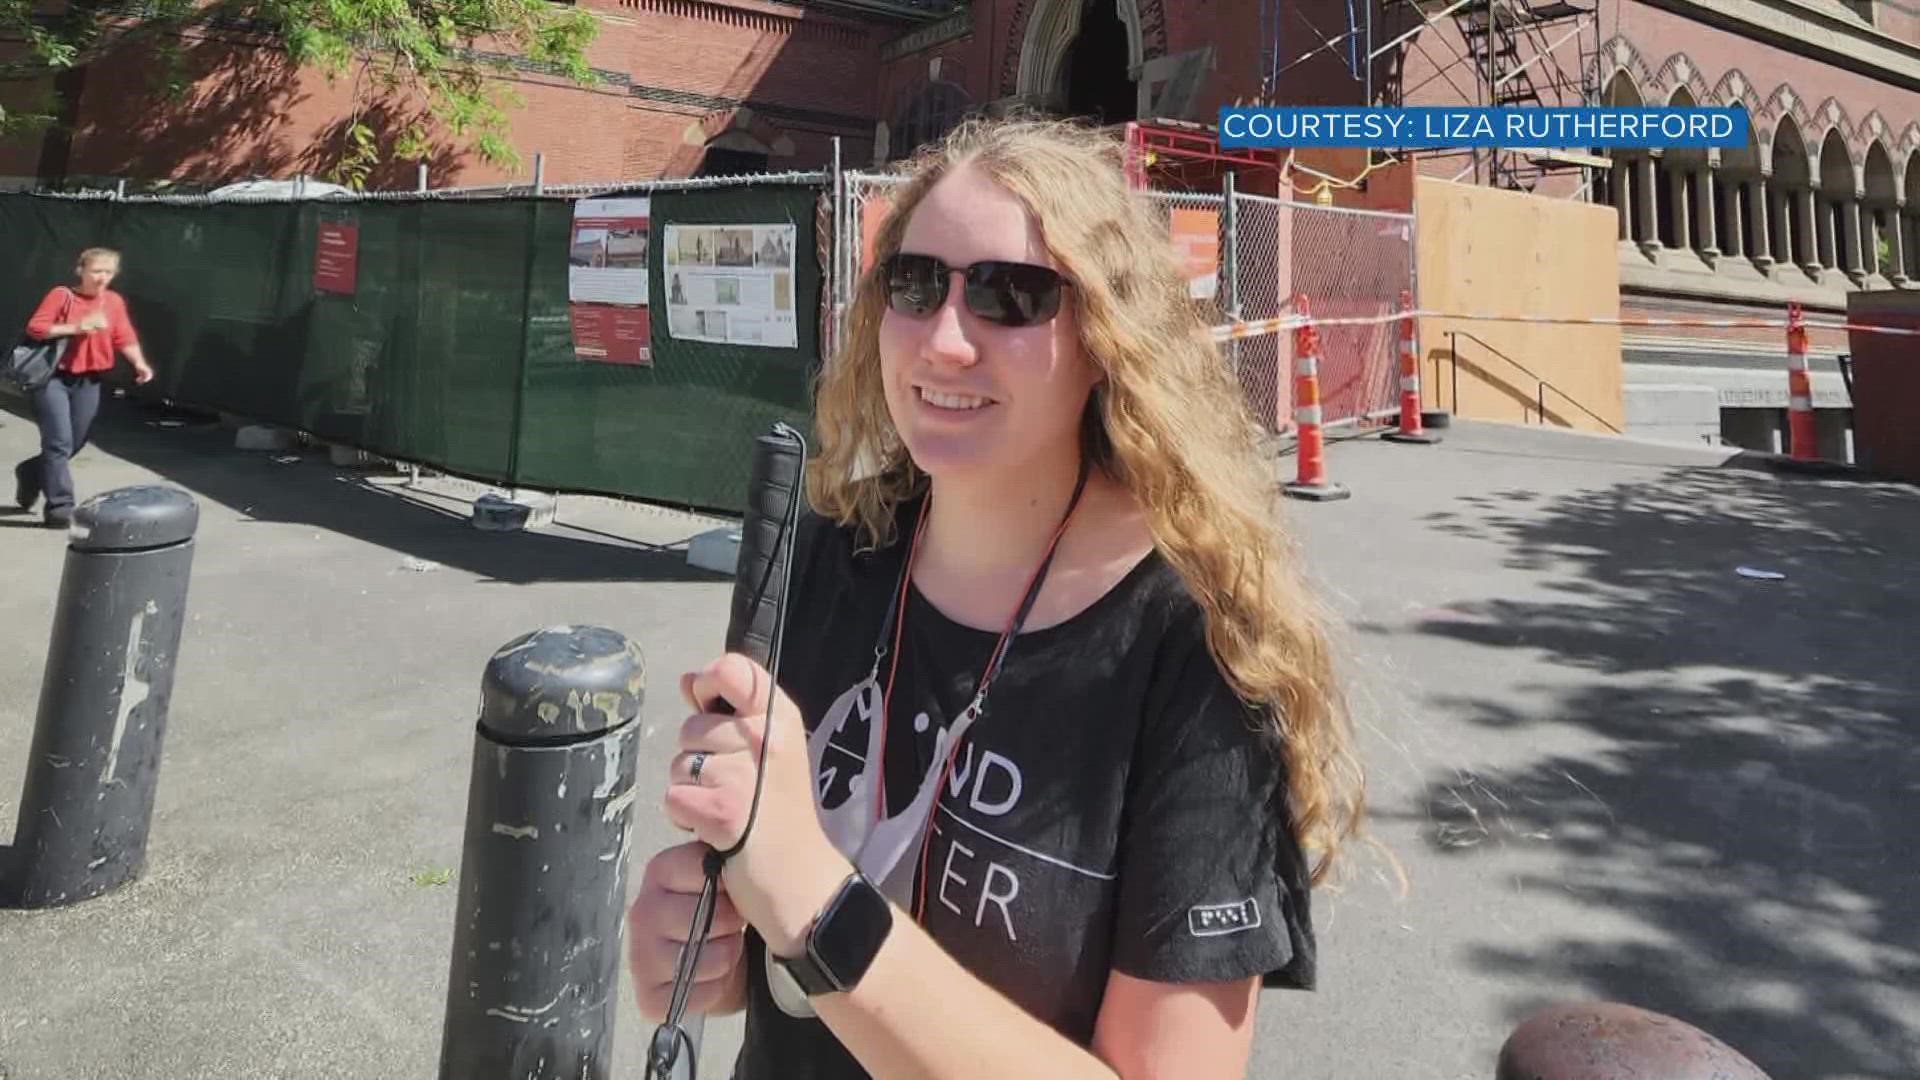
(1006, 293)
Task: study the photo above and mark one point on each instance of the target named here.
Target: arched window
(933, 112)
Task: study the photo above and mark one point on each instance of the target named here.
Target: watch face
(851, 931)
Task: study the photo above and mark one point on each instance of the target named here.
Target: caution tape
(1235, 331)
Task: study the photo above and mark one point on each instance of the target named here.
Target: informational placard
(336, 257)
(731, 284)
(1196, 236)
(607, 280)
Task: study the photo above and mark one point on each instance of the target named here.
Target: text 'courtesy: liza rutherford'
(1415, 127)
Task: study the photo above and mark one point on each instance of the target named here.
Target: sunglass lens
(916, 284)
(1013, 294)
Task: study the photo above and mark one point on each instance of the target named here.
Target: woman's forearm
(919, 1015)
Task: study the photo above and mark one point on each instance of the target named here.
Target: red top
(86, 353)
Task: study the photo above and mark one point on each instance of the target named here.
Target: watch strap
(807, 972)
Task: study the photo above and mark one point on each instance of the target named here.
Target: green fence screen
(454, 348)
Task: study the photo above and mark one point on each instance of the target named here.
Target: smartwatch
(842, 941)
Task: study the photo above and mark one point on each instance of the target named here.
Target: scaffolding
(1519, 53)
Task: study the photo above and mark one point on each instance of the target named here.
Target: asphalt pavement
(1609, 762)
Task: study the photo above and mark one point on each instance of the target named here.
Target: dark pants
(65, 407)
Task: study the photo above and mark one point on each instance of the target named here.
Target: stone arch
(1909, 224)
(1832, 116)
(1834, 163)
(1621, 54)
(1873, 127)
(1734, 88)
(1791, 191)
(1631, 184)
(729, 127)
(1682, 182)
(1681, 73)
(1835, 209)
(1046, 27)
(1876, 173)
(1784, 103)
(1622, 89)
(1880, 248)
(1788, 143)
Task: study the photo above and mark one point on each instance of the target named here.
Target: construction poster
(731, 284)
(607, 281)
(336, 257)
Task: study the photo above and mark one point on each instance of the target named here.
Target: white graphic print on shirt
(877, 847)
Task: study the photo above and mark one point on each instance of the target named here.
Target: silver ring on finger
(695, 764)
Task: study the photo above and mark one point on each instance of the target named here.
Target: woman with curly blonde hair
(1058, 752)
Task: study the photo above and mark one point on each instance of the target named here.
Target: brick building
(1815, 208)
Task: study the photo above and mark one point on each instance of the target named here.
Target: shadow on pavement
(1751, 803)
(198, 455)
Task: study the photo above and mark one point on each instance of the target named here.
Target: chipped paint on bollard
(533, 989)
(94, 766)
(1605, 1040)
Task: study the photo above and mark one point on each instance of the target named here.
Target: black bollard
(534, 986)
(95, 762)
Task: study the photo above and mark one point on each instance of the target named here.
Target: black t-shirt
(1115, 806)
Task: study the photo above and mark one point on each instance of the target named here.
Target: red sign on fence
(612, 333)
(336, 257)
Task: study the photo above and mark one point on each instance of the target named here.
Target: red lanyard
(979, 703)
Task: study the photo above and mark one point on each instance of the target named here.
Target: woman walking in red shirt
(95, 317)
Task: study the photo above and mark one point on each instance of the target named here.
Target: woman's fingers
(670, 916)
(734, 679)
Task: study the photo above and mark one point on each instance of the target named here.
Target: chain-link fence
(1352, 267)
(454, 346)
(1247, 256)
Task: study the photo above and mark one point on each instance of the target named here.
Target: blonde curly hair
(1168, 422)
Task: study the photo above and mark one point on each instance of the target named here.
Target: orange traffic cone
(1411, 429)
(1800, 425)
(1311, 482)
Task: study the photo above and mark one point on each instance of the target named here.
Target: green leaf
(428, 878)
(393, 53)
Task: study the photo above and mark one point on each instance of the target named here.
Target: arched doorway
(1094, 69)
(1082, 58)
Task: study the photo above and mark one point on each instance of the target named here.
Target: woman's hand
(657, 928)
(788, 869)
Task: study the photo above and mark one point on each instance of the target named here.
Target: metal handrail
(1540, 392)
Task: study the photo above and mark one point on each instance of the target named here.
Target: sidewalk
(1612, 765)
(315, 768)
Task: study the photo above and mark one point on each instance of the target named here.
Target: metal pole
(95, 761)
(423, 177)
(534, 988)
(840, 261)
(539, 173)
(1453, 350)
(1231, 216)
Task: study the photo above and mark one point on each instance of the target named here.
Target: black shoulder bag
(33, 361)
